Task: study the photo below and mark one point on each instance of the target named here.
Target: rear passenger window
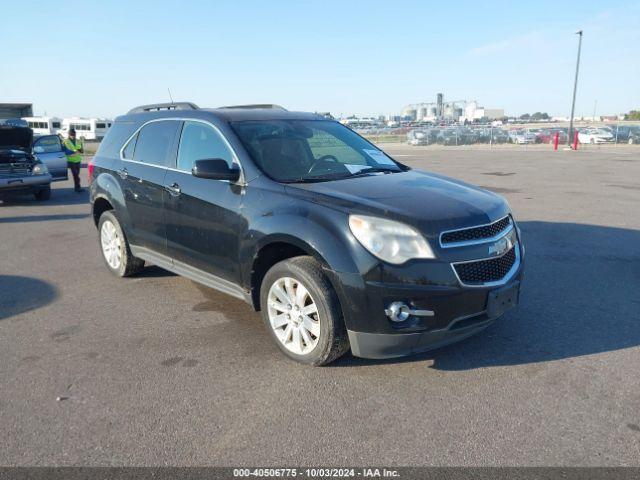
(127, 153)
(200, 141)
(154, 143)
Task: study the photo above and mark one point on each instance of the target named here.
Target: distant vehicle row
(466, 136)
(86, 128)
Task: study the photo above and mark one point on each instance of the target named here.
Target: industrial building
(449, 111)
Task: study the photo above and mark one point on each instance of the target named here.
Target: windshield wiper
(318, 178)
(375, 170)
(327, 178)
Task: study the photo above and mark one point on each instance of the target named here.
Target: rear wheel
(302, 312)
(115, 249)
(43, 194)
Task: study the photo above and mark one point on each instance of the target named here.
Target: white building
(86, 128)
(473, 111)
(44, 125)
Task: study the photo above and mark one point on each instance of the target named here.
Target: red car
(548, 136)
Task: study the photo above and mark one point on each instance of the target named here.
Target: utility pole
(575, 88)
(595, 105)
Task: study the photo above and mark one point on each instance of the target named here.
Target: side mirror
(216, 169)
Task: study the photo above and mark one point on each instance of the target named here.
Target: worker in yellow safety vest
(72, 149)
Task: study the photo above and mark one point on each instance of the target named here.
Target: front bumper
(390, 345)
(12, 185)
(459, 311)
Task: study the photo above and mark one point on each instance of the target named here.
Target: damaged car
(21, 172)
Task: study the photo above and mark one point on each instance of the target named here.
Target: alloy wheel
(293, 315)
(111, 244)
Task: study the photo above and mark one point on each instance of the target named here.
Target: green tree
(633, 115)
(540, 116)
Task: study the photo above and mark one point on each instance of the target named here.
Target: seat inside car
(280, 157)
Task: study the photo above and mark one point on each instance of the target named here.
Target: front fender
(321, 232)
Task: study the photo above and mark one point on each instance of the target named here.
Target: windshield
(310, 150)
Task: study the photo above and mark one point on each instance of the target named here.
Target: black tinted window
(154, 142)
(115, 138)
(200, 141)
(127, 152)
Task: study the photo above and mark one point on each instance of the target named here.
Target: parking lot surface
(156, 370)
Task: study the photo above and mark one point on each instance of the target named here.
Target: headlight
(40, 169)
(390, 241)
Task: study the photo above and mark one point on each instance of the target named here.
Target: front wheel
(302, 313)
(115, 248)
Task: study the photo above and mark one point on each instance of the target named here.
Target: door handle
(123, 173)
(173, 189)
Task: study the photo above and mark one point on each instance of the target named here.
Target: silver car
(48, 149)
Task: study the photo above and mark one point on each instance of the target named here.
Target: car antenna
(170, 97)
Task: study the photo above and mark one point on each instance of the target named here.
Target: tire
(43, 195)
(317, 338)
(115, 248)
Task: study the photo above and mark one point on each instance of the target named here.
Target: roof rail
(257, 105)
(153, 107)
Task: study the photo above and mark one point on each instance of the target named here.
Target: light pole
(575, 88)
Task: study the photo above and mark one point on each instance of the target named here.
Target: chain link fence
(552, 136)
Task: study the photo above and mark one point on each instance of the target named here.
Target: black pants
(75, 171)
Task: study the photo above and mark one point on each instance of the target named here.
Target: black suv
(337, 244)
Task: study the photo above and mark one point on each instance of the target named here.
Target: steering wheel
(323, 159)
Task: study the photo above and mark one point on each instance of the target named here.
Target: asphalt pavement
(156, 370)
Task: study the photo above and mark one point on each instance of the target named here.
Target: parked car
(499, 136)
(522, 137)
(48, 149)
(549, 135)
(333, 241)
(20, 171)
(626, 134)
(421, 137)
(595, 135)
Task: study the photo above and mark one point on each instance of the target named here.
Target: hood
(16, 138)
(432, 203)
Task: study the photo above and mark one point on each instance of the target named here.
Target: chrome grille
(475, 233)
(480, 272)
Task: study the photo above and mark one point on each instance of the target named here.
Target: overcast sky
(347, 57)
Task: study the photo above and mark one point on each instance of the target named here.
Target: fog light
(397, 312)
(400, 311)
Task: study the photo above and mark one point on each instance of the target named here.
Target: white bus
(86, 128)
(44, 125)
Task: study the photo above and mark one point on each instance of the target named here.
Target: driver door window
(200, 141)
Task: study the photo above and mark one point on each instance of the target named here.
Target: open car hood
(15, 138)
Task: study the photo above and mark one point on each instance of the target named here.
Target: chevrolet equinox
(337, 244)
